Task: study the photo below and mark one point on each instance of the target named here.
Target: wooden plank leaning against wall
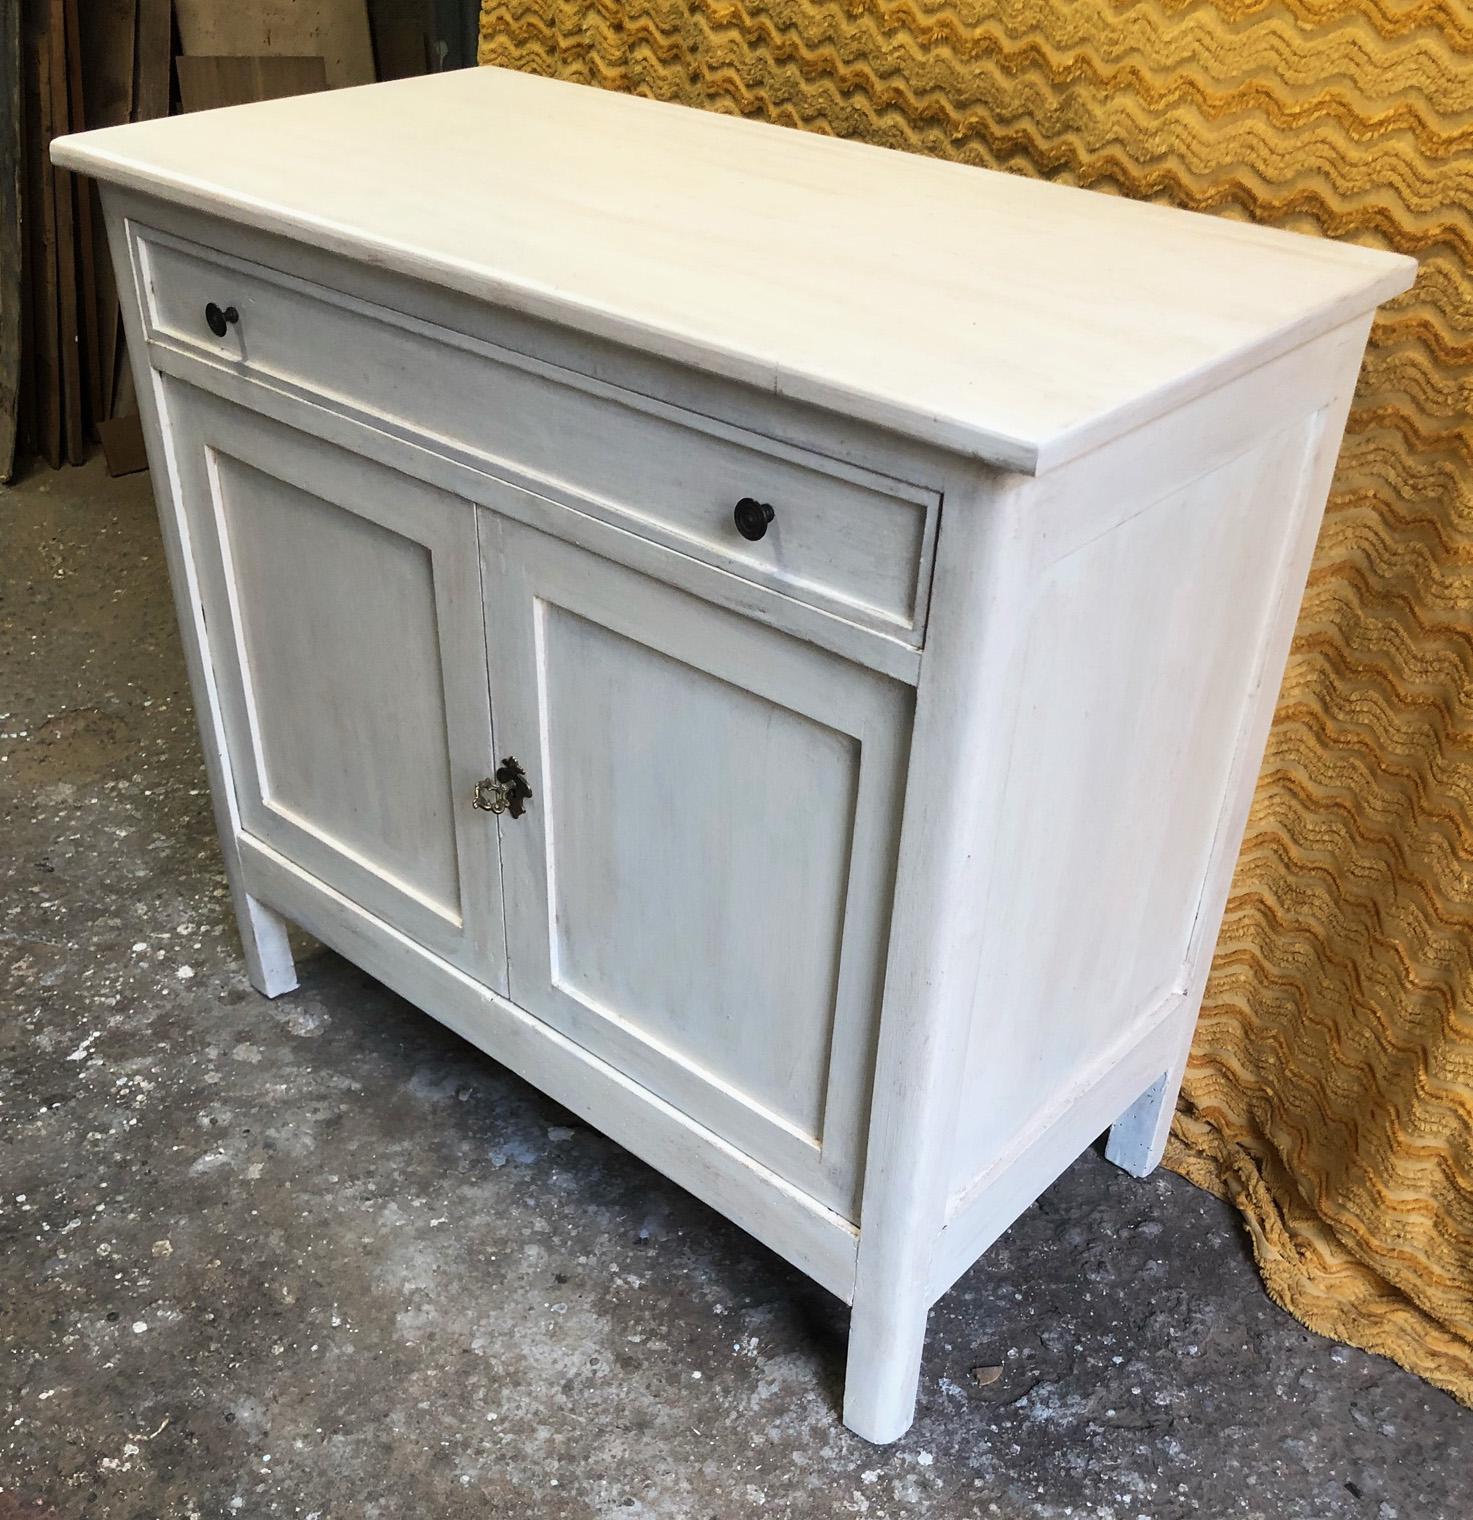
(73, 65)
(11, 321)
(67, 66)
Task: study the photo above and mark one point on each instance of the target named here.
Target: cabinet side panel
(1143, 653)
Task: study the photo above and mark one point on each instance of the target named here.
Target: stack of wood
(71, 65)
(60, 341)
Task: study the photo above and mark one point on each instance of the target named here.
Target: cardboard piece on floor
(122, 445)
(125, 397)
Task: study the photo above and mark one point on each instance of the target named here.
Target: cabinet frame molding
(213, 446)
(492, 455)
(969, 978)
(532, 577)
(816, 1240)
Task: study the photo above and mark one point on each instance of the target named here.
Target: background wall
(1331, 1088)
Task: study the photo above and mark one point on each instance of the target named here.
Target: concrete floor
(319, 1258)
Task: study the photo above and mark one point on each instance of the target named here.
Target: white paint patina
(872, 867)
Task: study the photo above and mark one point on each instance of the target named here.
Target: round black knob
(220, 319)
(752, 517)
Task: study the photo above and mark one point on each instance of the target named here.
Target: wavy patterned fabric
(1330, 1093)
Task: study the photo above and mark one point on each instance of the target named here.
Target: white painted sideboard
(879, 572)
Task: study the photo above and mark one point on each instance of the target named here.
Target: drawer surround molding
(1101, 619)
(503, 450)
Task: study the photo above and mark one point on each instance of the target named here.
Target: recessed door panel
(672, 907)
(343, 685)
(343, 611)
(699, 888)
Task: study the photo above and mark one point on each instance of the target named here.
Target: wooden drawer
(843, 539)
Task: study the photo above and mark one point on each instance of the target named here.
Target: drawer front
(843, 539)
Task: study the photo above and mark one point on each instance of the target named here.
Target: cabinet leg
(1138, 1137)
(268, 954)
(886, 1333)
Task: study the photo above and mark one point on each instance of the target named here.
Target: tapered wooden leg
(268, 953)
(886, 1333)
(1138, 1137)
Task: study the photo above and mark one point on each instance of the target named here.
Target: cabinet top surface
(1010, 319)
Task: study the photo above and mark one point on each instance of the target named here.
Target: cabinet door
(699, 889)
(343, 609)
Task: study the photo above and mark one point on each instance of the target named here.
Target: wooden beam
(154, 49)
(85, 249)
(11, 274)
(107, 48)
(45, 368)
(64, 191)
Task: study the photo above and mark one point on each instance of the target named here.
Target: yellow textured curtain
(1330, 1094)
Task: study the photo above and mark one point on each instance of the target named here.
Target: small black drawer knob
(752, 517)
(220, 318)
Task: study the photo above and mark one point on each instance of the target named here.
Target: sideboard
(770, 638)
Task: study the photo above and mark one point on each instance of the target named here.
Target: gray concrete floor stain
(320, 1258)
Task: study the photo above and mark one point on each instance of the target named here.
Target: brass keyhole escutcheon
(505, 792)
(490, 796)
